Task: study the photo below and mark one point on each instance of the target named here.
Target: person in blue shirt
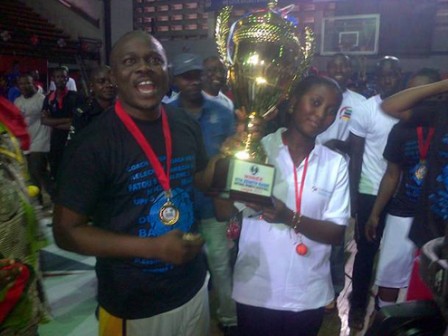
(217, 123)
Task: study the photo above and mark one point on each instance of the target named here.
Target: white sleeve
(338, 209)
(71, 84)
(359, 122)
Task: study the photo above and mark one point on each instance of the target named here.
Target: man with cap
(217, 123)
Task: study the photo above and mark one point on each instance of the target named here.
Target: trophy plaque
(264, 57)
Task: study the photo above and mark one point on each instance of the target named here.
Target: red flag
(10, 116)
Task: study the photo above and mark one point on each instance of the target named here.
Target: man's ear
(112, 79)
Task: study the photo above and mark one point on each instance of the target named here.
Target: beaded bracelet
(296, 220)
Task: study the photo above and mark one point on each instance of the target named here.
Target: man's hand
(178, 248)
(371, 228)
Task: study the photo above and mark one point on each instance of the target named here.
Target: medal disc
(301, 249)
(169, 214)
(420, 172)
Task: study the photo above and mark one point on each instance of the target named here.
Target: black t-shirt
(70, 102)
(402, 149)
(432, 210)
(106, 175)
(84, 115)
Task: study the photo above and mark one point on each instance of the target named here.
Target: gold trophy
(264, 56)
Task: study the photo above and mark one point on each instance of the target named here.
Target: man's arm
(356, 145)
(387, 188)
(340, 146)
(399, 105)
(59, 123)
(72, 232)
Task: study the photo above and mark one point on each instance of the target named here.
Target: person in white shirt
(339, 68)
(30, 104)
(282, 277)
(369, 129)
(213, 80)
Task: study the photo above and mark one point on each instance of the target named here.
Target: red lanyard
(299, 192)
(423, 144)
(59, 98)
(162, 177)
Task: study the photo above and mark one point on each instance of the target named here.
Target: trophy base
(244, 181)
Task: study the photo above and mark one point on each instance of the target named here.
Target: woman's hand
(277, 213)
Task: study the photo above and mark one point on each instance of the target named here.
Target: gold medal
(169, 214)
(420, 172)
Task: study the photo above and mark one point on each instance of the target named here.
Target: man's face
(389, 80)
(26, 86)
(190, 84)
(60, 78)
(102, 87)
(339, 68)
(214, 75)
(139, 69)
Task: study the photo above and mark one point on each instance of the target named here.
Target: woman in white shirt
(282, 274)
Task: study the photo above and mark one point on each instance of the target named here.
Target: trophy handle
(222, 33)
(308, 50)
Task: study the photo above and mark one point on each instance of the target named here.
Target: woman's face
(316, 110)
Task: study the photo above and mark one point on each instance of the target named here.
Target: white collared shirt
(339, 129)
(371, 123)
(268, 271)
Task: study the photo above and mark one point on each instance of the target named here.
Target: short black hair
(432, 74)
(25, 75)
(392, 61)
(341, 55)
(97, 70)
(60, 68)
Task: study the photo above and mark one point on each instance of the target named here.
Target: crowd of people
(129, 171)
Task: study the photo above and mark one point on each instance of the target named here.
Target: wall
(64, 18)
(121, 18)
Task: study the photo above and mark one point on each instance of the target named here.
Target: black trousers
(365, 256)
(39, 174)
(256, 321)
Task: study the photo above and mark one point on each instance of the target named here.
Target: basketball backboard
(352, 35)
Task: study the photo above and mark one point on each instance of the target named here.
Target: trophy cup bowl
(264, 57)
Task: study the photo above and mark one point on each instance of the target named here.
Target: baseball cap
(185, 62)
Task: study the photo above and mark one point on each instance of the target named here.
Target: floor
(70, 284)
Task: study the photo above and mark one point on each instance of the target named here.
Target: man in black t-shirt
(57, 113)
(431, 213)
(133, 172)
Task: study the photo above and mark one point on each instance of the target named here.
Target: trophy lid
(267, 26)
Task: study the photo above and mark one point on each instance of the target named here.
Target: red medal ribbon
(301, 248)
(162, 177)
(423, 144)
(299, 192)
